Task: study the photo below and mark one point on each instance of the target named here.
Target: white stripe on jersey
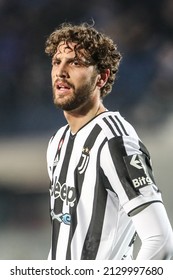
(84, 212)
(94, 188)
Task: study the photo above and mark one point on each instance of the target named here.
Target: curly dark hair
(100, 50)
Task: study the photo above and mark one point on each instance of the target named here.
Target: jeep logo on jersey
(139, 170)
(64, 192)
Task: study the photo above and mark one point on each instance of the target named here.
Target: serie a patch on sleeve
(139, 170)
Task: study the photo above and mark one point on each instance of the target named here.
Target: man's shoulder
(115, 125)
(56, 138)
(58, 133)
(55, 141)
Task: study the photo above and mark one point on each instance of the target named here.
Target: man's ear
(102, 78)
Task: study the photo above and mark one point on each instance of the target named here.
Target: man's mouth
(62, 86)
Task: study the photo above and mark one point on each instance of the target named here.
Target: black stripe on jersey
(142, 207)
(59, 202)
(144, 150)
(93, 236)
(122, 126)
(110, 126)
(78, 185)
(114, 123)
(116, 126)
(89, 143)
(117, 152)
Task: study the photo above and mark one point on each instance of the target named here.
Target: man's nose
(62, 72)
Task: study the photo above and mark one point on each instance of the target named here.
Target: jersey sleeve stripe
(116, 125)
(110, 126)
(122, 126)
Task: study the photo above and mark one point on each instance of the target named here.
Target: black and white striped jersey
(99, 177)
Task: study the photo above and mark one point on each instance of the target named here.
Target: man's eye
(76, 62)
(55, 62)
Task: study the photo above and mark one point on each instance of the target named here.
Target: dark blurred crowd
(143, 31)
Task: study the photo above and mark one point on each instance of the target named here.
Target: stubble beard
(78, 98)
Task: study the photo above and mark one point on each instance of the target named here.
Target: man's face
(74, 82)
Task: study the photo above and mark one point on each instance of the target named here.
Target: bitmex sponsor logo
(142, 181)
(139, 170)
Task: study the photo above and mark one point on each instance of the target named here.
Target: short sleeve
(126, 164)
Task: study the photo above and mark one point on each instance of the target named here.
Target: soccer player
(102, 188)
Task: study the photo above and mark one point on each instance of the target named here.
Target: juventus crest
(84, 160)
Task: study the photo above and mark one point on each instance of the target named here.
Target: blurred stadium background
(143, 93)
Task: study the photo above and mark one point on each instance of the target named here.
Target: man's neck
(78, 118)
